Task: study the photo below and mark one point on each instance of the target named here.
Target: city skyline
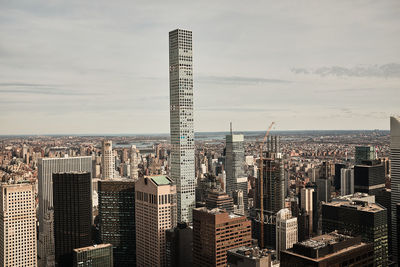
(68, 67)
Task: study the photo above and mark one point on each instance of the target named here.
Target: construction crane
(262, 187)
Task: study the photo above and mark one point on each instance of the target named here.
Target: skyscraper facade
(214, 233)
(155, 212)
(72, 214)
(135, 159)
(286, 230)
(395, 180)
(364, 153)
(17, 225)
(359, 217)
(107, 160)
(46, 168)
(346, 181)
(234, 166)
(117, 219)
(181, 121)
(369, 177)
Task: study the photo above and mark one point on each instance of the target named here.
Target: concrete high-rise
(214, 233)
(395, 181)
(181, 121)
(17, 225)
(155, 212)
(218, 199)
(306, 204)
(117, 219)
(135, 159)
(234, 166)
(46, 168)
(107, 160)
(286, 230)
(72, 214)
(346, 181)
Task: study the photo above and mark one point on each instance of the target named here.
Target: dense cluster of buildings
(119, 201)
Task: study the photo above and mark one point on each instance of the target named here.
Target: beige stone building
(17, 225)
(155, 212)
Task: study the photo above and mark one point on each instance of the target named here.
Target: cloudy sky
(102, 66)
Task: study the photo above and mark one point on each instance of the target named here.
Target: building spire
(231, 127)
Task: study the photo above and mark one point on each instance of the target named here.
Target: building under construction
(272, 194)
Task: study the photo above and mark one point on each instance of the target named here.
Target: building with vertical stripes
(395, 182)
(155, 212)
(181, 121)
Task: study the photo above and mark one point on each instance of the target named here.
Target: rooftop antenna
(231, 127)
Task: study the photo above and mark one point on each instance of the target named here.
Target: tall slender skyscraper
(181, 121)
(395, 177)
(17, 225)
(107, 160)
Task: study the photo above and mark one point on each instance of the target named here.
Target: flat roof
(78, 250)
(160, 180)
(357, 205)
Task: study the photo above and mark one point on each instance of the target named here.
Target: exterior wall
(346, 181)
(17, 226)
(395, 180)
(181, 121)
(46, 168)
(117, 219)
(107, 160)
(215, 234)
(372, 226)
(286, 230)
(72, 214)
(155, 210)
(135, 159)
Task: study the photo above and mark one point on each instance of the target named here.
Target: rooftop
(361, 205)
(324, 240)
(218, 211)
(80, 250)
(160, 180)
(251, 252)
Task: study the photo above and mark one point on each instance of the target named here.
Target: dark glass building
(359, 218)
(332, 249)
(72, 199)
(117, 219)
(369, 177)
(336, 179)
(179, 246)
